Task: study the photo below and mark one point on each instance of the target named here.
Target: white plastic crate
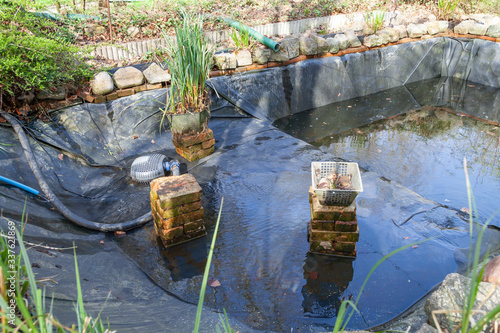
(334, 197)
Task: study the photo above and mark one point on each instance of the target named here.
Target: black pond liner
(268, 280)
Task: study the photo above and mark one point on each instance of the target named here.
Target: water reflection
(186, 261)
(326, 279)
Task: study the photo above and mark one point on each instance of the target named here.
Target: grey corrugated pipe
(55, 201)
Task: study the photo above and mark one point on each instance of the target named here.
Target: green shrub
(36, 52)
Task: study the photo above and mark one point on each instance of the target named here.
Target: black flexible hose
(55, 201)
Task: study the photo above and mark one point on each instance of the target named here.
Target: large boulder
(463, 27)
(353, 39)
(127, 77)
(308, 46)
(372, 41)
(102, 83)
(493, 31)
(225, 61)
(449, 298)
(416, 30)
(323, 46)
(492, 271)
(292, 45)
(261, 55)
(334, 45)
(343, 41)
(155, 74)
(243, 58)
(478, 29)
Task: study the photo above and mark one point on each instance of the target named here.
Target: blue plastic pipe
(19, 185)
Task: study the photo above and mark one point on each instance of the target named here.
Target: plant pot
(188, 123)
(191, 136)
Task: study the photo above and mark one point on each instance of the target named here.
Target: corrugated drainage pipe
(55, 201)
(254, 33)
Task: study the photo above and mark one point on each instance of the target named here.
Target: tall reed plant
(188, 57)
(375, 19)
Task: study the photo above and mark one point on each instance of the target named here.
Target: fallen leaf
(465, 210)
(135, 137)
(387, 99)
(406, 237)
(379, 151)
(102, 242)
(338, 95)
(120, 233)
(325, 123)
(470, 85)
(152, 141)
(414, 246)
(313, 275)
(60, 156)
(214, 283)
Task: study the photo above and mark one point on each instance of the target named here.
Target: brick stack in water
(176, 208)
(195, 147)
(333, 229)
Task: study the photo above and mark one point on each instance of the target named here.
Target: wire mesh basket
(336, 197)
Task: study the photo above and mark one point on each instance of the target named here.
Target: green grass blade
(206, 273)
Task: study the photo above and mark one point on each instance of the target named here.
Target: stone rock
(323, 46)
(358, 26)
(384, 36)
(450, 296)
(343, 41)
(495, 20)
(353, 39)
(93, 29)
(401, 20)
(28, 97)
(225, 61)
(308, 46)
(133, 31)
(426, 328)
(127, 77)
(416, 30)
(478, 29)
(372, 41)
(432, 27)
(155, 74)
(292, 45)
(432, 18)
(493, 31)
(280, 56)
(492, 271)
(102, 83)
(393, 34)
(58, 94)
(443, 26)
(479, 18)
(261, 55)
(334, 45)
(463, 27)
(243, 58)
(369, 31)
(401, 29)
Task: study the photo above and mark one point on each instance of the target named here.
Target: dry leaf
(406, 237)
(214, 283)
(414, 246)
(152, 141)
(135, 137)
(387, 99)
(120, 233)
(60, 156)
(102, 242)
(465, 210)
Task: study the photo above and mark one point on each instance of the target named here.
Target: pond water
(422, 148)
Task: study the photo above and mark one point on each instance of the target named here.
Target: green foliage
(241, 39)
(36, 52)
(188, 59)
(205, 277)
(375, 19)
(446, 8)
(17, 278)
(475, 267)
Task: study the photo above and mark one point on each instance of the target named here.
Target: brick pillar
(176, 208)
(195, 147)
(333, 229)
